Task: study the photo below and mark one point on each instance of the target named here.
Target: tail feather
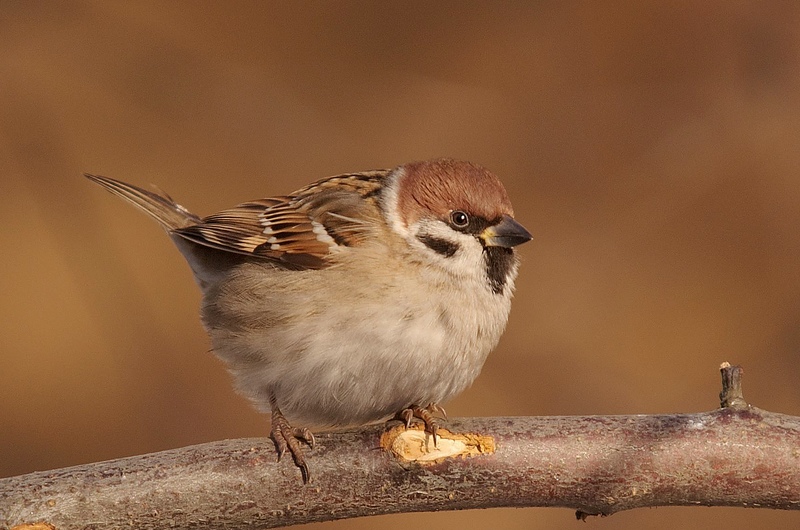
(208, 264)
(162, 208)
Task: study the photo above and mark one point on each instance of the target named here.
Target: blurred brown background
(651, 148)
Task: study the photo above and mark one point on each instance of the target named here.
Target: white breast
(337, 352)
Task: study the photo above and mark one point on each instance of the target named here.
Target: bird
(356, 299)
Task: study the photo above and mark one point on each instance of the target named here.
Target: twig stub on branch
(731, 395)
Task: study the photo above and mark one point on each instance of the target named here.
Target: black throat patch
(499, 262)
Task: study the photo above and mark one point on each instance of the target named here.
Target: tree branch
(734, 456)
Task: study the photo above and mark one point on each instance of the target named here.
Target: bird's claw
(426, 416)
(287, 437)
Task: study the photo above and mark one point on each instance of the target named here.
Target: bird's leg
(287, 437)
(426, 415)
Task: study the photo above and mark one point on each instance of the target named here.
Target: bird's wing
(301, 230)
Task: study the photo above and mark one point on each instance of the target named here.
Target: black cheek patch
(440, 246)
(499, 262)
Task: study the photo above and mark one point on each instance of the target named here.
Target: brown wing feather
(300, 230)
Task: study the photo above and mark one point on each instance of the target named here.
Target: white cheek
(467, 262)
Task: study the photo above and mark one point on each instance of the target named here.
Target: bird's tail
(161, 207)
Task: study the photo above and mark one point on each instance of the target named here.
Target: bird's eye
(459, 219)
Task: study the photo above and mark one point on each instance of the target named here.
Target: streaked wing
(300, 230)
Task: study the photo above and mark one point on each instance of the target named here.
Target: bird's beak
(507, 233)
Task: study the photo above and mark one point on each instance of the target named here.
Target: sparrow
(355, 299)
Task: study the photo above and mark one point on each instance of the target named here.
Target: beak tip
(507, 233)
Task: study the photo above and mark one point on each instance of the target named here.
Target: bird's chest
(443, 338)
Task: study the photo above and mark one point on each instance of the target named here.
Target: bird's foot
(426, 415)
(287, 437)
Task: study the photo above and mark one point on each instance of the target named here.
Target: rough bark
(737, 455)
